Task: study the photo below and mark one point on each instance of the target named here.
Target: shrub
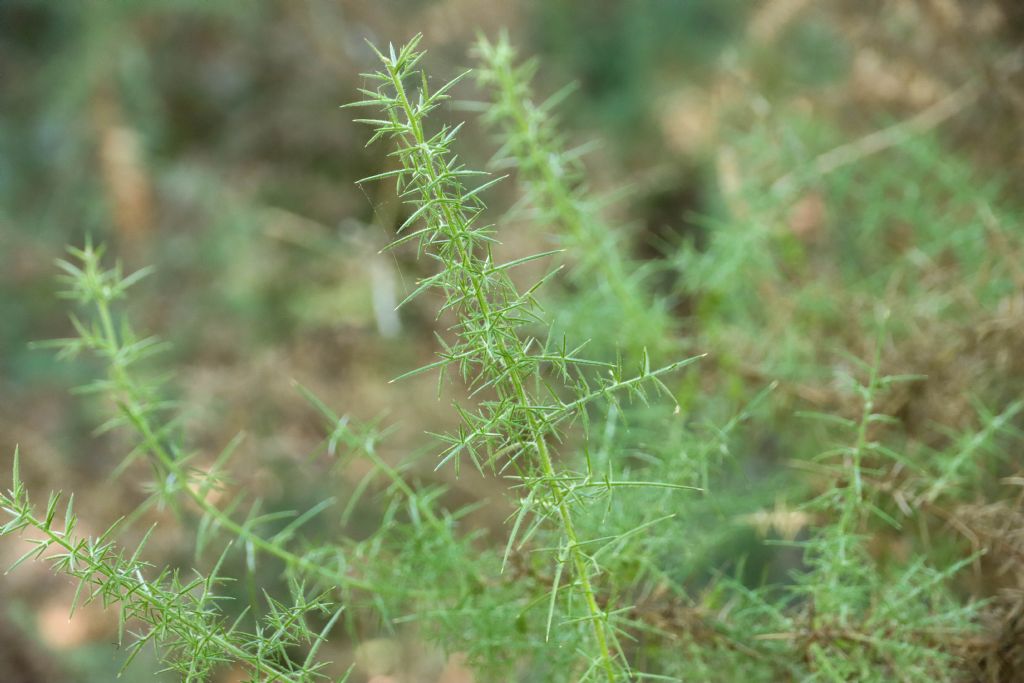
(629, 500)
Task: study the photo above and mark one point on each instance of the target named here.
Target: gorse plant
(514, 429)
(608, 285)
(139, 406)
(854, 622)
(633, 494)
(182, 616)
(493, 353)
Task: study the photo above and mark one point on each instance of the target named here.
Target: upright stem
(579, 560)
(455, 224)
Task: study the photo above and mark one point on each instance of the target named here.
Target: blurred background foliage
(794, 172)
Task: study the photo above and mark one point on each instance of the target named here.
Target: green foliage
(491, 352)
(607, 284)
(181, 616)
(629, 551)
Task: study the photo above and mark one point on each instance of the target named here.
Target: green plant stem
(529, 136)
(140, 590)
(455, 222)
(551, 187)
(579, 562)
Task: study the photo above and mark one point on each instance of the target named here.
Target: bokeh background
(814, 149)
